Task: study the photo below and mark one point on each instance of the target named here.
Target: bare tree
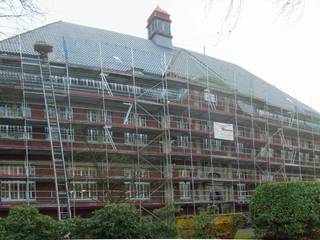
(291, 9)
(17, 14)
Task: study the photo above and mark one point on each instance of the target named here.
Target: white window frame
(183, 142)
(67, 134)
(83, 190)
(138, 190)
(139, 139)
(185, 190)
(13, 191)
(15, 132)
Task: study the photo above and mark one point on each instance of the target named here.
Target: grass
(246, 233)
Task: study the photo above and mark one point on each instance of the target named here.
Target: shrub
(239, 220)
(204, 222)
(74, 228)
(118, 221)
(225, 226)
(27, 223)
(287, 210)
(165, 225)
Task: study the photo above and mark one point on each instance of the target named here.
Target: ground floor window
(17, 191)
(138, 190)
(185, 190)
(83, 190)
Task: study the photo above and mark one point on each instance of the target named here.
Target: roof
(92, 47)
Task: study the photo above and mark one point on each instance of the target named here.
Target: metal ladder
(105, 83)
(57, 153)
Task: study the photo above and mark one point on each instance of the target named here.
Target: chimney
(159, 29)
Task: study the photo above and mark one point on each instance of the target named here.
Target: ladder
(57, 153)
(105, 83)
(108, 137)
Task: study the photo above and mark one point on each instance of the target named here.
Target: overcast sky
(284, 52)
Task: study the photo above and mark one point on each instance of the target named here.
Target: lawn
(246, 233)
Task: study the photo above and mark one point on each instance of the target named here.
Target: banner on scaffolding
(223, 131)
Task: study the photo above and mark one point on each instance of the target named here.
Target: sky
(282, 50)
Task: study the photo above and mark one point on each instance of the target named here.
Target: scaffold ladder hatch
(59, 168)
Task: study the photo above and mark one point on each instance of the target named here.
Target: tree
(286, 210)
(118, 221)
(27, 223)
(292, 9)
(19, 13)
(74, 228)
(165, 225)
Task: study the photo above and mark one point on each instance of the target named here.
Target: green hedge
(286, 210)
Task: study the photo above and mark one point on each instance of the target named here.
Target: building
(89, 116)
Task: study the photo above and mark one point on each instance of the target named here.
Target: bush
(118, 221)
(28, 224)
(165, 225)
(286, 210)
(225, 226)
(74, 228)
(204, 222)
(239, 220)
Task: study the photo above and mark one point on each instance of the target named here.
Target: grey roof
(87, 46)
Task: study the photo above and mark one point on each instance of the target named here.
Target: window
(13, 111)
(63, 113)
(16, 191)
(182, 123)
(139, 139)
(184, 173)
(82, 171)
(138, 190)
(137, 120)
(216, 145)
(184, 189)
(15, 132)
(266, 152)
(93, 135)
(131, 173)
(183, 141)
(242, 193)
(206, 143)
(98, 116)
(240, 147)
(67, 134)
(209, 97)
(83, 190)
(16, 170)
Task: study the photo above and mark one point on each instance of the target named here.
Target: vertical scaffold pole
(70, 118)
(253, 134)
(167, 133)
(235, 86)
(190, 137)
(136, 122)
(25, 131)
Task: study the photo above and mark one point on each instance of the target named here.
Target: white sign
(223, 131)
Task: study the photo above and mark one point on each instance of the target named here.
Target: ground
(246, 233)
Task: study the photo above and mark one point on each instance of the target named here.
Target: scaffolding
(150, 128)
